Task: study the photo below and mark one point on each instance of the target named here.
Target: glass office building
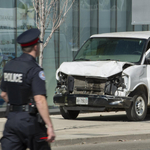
(86, 17)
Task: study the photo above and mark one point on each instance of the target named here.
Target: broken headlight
(61, 84)
(114, 84)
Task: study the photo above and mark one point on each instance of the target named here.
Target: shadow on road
(115, 117)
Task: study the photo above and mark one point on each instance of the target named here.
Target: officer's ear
(35, 47)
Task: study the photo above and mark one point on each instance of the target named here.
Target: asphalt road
(119, 145)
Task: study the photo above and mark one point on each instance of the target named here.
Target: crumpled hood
(91, 68)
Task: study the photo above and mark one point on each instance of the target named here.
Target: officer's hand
(51, 135)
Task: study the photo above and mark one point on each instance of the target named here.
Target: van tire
(138, 109)
(69, 114)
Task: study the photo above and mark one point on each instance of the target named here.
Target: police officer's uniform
(23, 79)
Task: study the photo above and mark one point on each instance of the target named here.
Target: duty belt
(18, 108)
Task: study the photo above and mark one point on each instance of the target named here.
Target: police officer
(23, 84)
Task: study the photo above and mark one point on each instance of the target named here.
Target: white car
(111, 72)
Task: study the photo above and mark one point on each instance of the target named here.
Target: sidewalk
(96, 128)
(99, 127)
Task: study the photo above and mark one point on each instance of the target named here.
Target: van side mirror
(147, 60)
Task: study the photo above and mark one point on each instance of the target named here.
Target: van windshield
(120, 49)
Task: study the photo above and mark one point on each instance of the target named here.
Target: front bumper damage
(94, 102)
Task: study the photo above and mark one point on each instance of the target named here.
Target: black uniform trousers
(22, 131)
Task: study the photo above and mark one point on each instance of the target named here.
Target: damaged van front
(109, 73)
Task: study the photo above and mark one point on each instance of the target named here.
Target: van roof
(134, 34)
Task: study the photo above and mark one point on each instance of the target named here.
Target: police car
(111, 72)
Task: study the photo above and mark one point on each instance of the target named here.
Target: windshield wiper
(82, 59)
(109, 59)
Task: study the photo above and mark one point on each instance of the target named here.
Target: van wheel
(138, 109)
(69, 114)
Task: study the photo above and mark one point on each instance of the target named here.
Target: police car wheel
(138, 109)
(69, 114)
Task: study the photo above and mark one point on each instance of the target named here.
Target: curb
(54, 111)
(95, 140)
(2, 112)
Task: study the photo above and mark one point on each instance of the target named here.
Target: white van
(111, 72)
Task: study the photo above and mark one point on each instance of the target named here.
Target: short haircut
(28, 49)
